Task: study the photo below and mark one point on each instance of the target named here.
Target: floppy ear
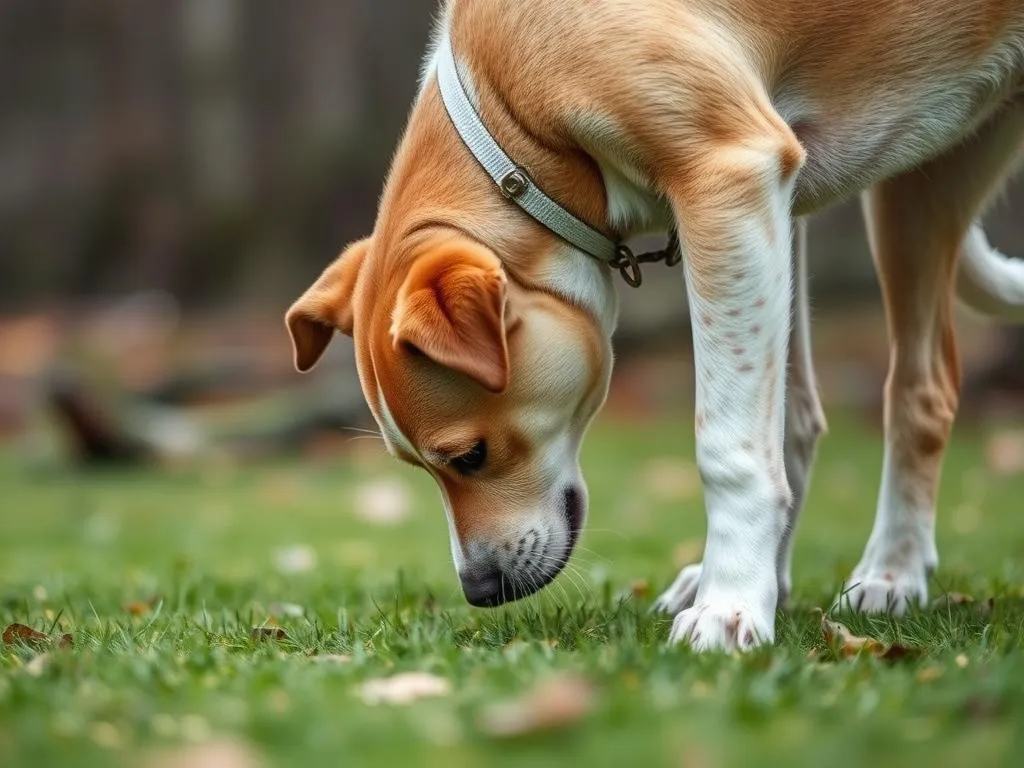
(325, 307)
(452, 309)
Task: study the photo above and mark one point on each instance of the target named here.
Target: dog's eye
(472, 460)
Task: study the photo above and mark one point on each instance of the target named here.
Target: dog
(482, 330)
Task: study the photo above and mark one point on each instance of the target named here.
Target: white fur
(989, 282)
(740, 411)
(393, 436)
(634, 207)
(805, 422)
(900, 555)
(754, 453)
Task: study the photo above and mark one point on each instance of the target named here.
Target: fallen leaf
(141, 607)
(404, 688)
(557, 702)
(670, 479)
(268, 633)
(298, 558)
(19, 633)
(640, 588)
(221, 753)
(385, 501)
(1004, 453)
(844, 643)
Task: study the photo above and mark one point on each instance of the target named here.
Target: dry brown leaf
(212, 754)
(268, 633)
(1004, 453)
(404, 688)
(844, 643)
(385, 501)
(640, 588)
(19, 633)
(557, 702)
(141, 607)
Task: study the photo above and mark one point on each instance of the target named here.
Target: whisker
(364, 431)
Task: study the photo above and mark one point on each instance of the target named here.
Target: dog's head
(484, 382)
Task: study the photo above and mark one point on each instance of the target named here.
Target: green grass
(75, 549)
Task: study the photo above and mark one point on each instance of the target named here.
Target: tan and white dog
(483, 339)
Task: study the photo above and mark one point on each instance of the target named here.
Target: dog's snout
(484, 587)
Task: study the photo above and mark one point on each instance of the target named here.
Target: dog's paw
(884, 592)
(682, 593)
(722, 627)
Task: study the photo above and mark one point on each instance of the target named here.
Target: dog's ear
(325, 307)
(452, 308)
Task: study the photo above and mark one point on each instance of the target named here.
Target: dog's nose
(484, 587)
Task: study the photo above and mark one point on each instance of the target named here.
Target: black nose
(484, 587)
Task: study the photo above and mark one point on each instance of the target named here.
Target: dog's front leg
(734, 213)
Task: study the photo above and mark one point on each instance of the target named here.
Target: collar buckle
(514, 183)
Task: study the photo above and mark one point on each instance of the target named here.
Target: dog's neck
(451, 190)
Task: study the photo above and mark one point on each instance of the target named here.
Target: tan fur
(473, 322)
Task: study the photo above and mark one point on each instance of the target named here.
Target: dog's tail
(989, 282)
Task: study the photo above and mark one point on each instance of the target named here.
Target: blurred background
(174, 174)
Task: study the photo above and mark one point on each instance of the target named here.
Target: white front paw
(682, 593)
(712, 626)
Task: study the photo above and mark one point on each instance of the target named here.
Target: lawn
(161, 576)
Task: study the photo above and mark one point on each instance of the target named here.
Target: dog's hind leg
(918, 223)
(805, 419)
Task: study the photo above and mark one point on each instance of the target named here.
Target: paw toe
(682, 593)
